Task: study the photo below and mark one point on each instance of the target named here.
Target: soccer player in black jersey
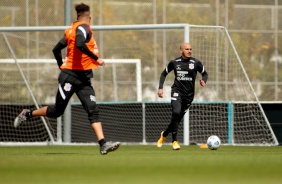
(185, 70)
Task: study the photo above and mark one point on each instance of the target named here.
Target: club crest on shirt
(191, 66)
(67, 87)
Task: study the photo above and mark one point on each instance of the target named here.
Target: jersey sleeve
(202, 71)
(168, 69)
(82, 37)
(57, 51)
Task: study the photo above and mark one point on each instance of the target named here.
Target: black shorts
(180, 103)
(68, 85)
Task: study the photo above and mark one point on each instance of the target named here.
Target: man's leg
(54, 111)
(40, 112)
(86, 94)
(186, 103)
(64, 93)
(173, 126)
(98, 130)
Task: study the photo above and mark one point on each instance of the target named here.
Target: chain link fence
(254, 27)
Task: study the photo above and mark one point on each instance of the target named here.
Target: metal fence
(253, 26)
(228, 82)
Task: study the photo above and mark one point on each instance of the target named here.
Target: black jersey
(185, 71)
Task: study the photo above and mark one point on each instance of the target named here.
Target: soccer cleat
(108, 147)
(161, 140)
(175, 145)
(21, 118)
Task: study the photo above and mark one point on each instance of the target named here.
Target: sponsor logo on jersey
(175, 94)
(181, 76)
(184, 78)
(178, 60)
(182, 72)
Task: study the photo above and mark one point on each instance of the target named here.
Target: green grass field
(140, 164)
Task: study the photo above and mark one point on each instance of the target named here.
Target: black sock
(29, 114)
(165, 134)
(174, 136)
(102, 142)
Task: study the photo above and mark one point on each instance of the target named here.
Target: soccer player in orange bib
(76, 72)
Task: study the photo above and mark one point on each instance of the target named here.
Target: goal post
(131, 111)
(28, 87)
(112, 64)
(229, 84)
(137, 62)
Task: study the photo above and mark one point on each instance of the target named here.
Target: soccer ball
(213, 142)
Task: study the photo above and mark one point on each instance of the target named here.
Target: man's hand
(202, 83)
(160, 93)
(101, 62)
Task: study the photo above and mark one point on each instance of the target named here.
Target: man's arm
(162, 78)
(204, 73)
(204, 79)
(57, 51)
(205, 76)
(161, 83)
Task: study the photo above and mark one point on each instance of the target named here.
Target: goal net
(126, 91)
(228, 106)
(114, 80)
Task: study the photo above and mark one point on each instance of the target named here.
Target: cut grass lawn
(140, 164)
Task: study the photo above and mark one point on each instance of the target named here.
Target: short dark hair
(81, 9)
